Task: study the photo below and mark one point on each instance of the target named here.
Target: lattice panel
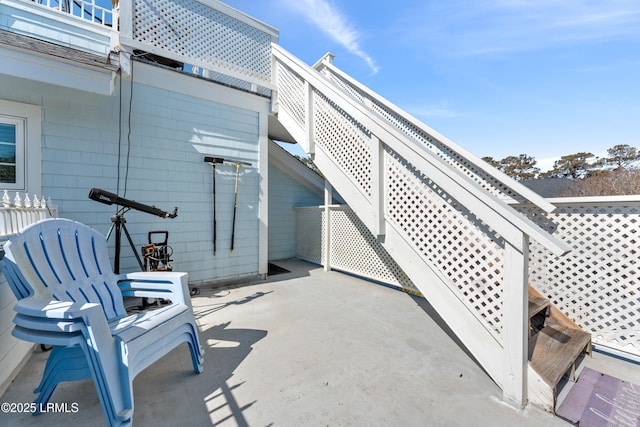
(310, 234)
(344, 139)
(355, 250)
(451, 239)
(291, 93)
(408, 128)
(598, 284)
(347, 87)
(196, 30)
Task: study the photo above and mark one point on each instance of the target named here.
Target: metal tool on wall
(215, 161)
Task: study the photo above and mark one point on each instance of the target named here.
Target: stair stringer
(484, 347)
(505, 363)
(432, 284)
(539, 392)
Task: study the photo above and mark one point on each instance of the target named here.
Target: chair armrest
(156, 284)
(52, 309)
(63, 316)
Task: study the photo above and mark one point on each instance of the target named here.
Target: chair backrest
(64, 260)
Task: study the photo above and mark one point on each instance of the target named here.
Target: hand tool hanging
(219, 160)
(235, 208)
(213, 161)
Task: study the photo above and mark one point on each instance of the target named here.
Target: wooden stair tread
(537, 302)
(536, 305)
(553, 350)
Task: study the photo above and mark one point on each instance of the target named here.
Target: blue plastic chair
(69, 297)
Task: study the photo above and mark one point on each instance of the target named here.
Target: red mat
(600, 400)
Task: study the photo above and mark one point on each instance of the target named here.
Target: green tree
(517, 167)
(622, 156)
(520, 167)
(574, 166)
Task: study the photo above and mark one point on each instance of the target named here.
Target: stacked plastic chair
(69, 297)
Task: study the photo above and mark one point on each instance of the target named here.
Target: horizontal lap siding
(170, 135)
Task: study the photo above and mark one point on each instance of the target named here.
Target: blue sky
(499, 77)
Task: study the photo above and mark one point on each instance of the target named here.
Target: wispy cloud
(465, 28)
(431, 111)
(334, 23)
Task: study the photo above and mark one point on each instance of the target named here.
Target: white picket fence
(17, 211)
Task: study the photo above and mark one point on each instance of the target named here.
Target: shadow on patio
(306, 348)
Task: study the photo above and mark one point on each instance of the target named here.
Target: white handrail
(495, 212)
(499, 176)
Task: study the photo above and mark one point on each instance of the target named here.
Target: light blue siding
(170, 134)
(285, 193)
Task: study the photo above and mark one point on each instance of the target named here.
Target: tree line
(615, 174)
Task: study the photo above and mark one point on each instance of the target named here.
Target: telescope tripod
(118, 223)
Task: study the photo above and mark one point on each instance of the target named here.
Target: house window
(20, 145)
(11, 152)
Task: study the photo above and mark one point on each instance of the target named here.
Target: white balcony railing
(231, 46)
(208, 38)
(85, 9)
(21, 210)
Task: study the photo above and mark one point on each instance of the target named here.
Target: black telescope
(118, 221)
(110, 199)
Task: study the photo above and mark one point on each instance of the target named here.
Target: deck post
(328, 199)
(377, 184)
(263, 196)
(514, 322)
(308, 117)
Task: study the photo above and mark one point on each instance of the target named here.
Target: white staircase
(439, 211)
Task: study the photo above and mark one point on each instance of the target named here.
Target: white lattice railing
(462, 246)
(598, 284)
(85, 9)
(19, 211)
(353, 248)
(230, 45)
(477, 169)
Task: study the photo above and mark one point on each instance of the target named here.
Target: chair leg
(197, 351)
(64, 362)
(66, 371)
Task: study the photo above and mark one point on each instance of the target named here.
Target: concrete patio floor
(306, 348)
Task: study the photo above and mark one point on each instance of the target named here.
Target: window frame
(27, 118)
(19, 123)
